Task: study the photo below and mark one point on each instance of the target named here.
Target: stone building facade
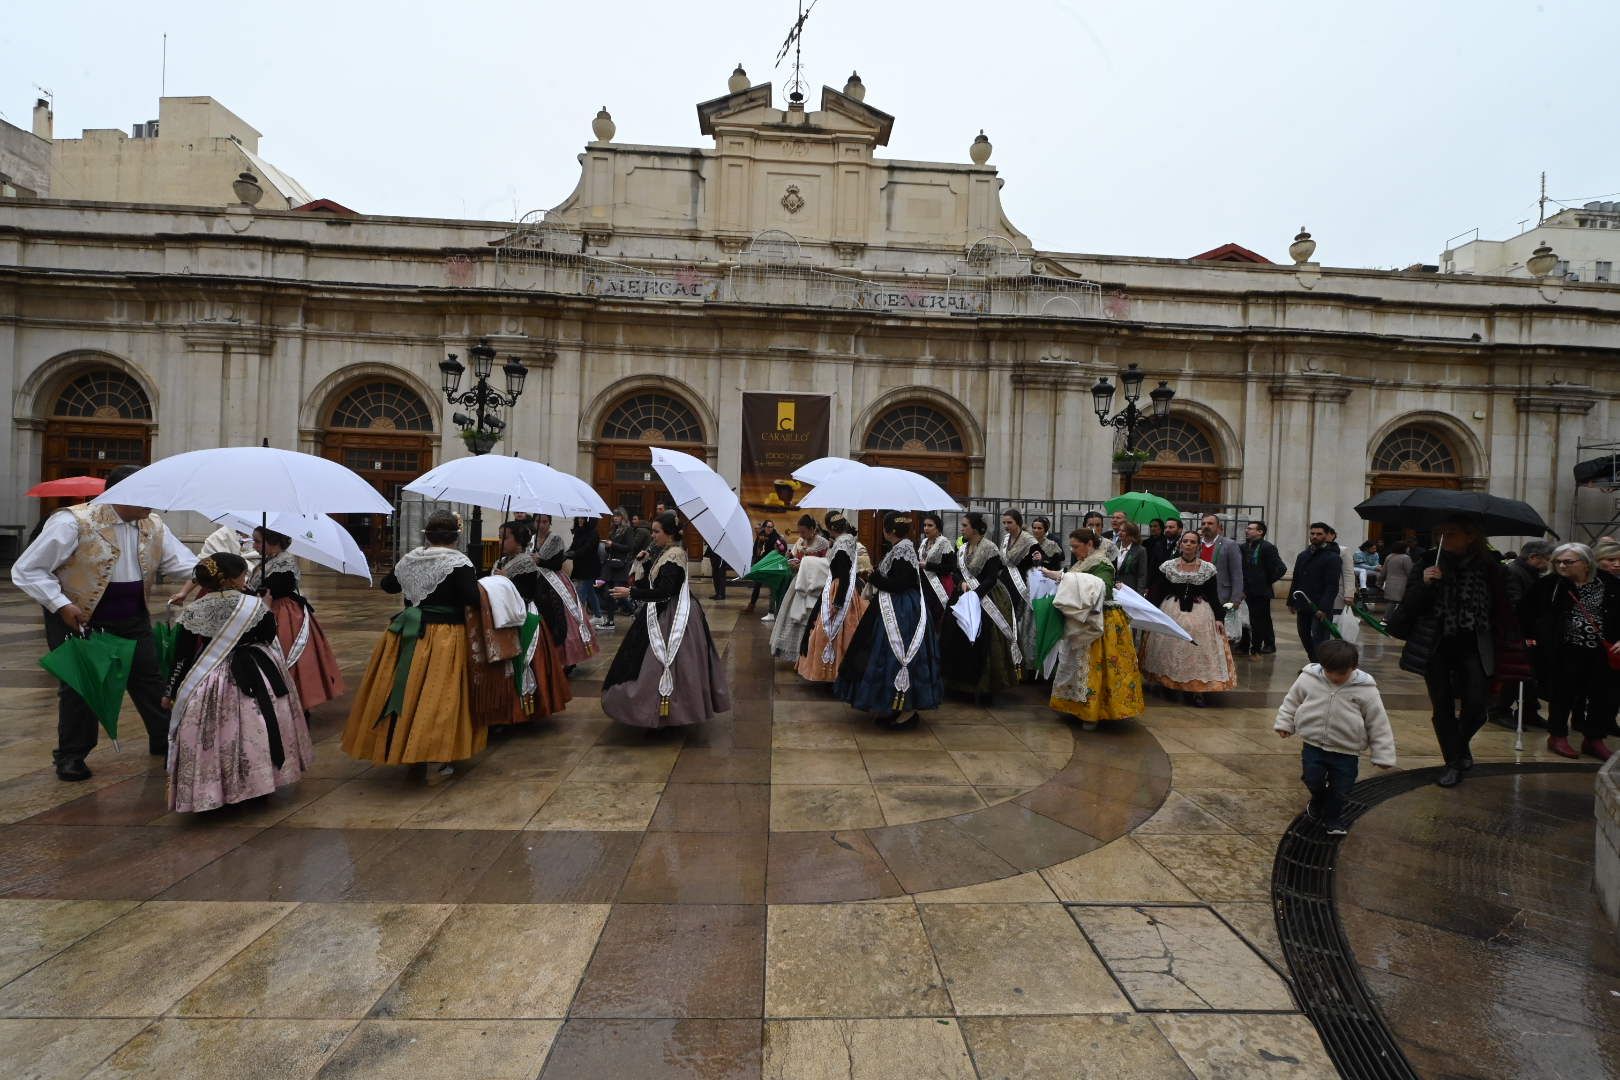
(789, 256)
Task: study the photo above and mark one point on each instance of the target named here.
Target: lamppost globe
(483, 358)
(450, 372)
(1132, 378)
(516, 373)
(1161, 396)
(1102, 398)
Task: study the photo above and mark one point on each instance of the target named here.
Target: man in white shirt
(89, 568)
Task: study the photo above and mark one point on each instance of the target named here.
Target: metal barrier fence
(1068, 514)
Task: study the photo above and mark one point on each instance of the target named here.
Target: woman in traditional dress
(414, 706)
(1185, 590)
(236, 727)
(309, 656)
(937, 557)
(542, 686)
(563, 614)
(1019, 554)
(989, 663)
(667, 672)
(893, 661)
(837, 611)
(1051, 552)
(1097, 677)
(807, 555)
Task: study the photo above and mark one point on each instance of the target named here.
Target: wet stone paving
(788, 892)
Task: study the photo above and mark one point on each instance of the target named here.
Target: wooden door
(388, 464)
(624, 474)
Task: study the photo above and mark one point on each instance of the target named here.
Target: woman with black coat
(1573, 616)
(585, 552)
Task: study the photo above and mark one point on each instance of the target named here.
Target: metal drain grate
(1324, 971)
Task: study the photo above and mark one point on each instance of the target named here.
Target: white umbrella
(968, 611)
(872, 487)
(263, 477)
(707, 501)
(511, 482)
(1144, 616)
(814, 472)
(315, 537)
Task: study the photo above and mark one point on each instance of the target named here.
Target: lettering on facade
(682, 285)
(922, 300)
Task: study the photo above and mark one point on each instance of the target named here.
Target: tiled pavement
(787, 892)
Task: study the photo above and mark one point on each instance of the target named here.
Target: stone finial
(738, 81)
(854, 87)
(603, 126)
(1302, 248)
(248, 189)
(980, 150)
(1542, 261)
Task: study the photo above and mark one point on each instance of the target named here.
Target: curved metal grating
(1326, 978)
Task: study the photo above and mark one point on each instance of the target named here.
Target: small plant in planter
(1128, 461)
(479, 442)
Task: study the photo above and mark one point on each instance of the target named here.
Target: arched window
(103, 394)
(652, 418)
(381, 406)
(914, 429)
(1182, 464)
(1413, 448)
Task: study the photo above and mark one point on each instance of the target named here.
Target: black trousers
(1329, 776)
(1580, 694)
(76, 724)
(717, 571)
(1262, 633)
(1312, 632)
(1456, 674)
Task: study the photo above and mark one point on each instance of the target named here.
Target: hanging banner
(780, 433)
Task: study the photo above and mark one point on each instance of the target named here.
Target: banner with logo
(780, 432)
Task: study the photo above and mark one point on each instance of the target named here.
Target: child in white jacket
(1335, 709)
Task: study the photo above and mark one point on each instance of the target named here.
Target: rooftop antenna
(794, 39)
(50, 97)
(1542, 213)
(163, 79)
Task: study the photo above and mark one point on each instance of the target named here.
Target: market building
(786, 257)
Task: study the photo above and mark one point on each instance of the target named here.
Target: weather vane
(794, 39)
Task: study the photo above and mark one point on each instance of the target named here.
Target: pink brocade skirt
(317, 673)
(574, 650)
(220, 751)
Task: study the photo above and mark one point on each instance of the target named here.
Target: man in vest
(89, 569)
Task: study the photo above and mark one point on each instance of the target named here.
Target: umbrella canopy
(814, 472)
(513, 483)
(872, 487)
(969, 614)
(1142, 507)
(773, 571)
(1310, 608)
(707, 501)
(68, 487)
(96, 668)
(1143, 616)
(315, 537)
(269, 479)
(1424, 508)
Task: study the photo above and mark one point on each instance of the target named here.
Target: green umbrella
(164, 636)
(773, 572)
(1048, 629)
(1370, 619)
(1142, 507)
(1301, 599)
(96, 667)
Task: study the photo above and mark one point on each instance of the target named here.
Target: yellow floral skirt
(435, 722)
(1115, 681)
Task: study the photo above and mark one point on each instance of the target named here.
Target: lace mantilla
(550, 547)
(515, 565)
(1013, 553)
(904, 552)
(933, 551)
(207, 615)
(672, 553)
(1172, 570)
(419, 572)
(280, 564)
(1090, 562)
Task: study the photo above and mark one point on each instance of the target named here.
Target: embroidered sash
(665, 651)
(833, 624)
(248, 611)
(301, 638)
(565, 592)
(925, 554)
(523, 662)
(999, 621)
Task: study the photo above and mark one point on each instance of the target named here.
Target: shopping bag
(1349, 626)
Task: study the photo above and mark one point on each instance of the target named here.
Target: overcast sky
(1139, 128)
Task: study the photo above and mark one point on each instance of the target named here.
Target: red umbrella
(69, 487)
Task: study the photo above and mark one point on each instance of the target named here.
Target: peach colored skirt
(810, 665)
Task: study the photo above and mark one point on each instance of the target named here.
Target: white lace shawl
(419, 572)
(673, 553)
(1171, 569)
(550, 547)
(933, 551)
(207, 615)
(283, 563)
(904, 552)
(1012, 553)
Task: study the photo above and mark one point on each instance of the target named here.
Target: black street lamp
(1129, 418)
(482, 429)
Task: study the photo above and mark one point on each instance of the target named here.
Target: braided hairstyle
(213, 572)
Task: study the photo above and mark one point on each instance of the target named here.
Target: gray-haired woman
(1574, 616)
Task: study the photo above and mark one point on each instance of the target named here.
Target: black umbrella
(1424, 508)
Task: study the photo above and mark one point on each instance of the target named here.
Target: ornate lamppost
(483, 428)
(1130, 417)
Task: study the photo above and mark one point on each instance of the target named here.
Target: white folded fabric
(505, 602)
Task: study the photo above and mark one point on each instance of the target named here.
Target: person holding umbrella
(542, 684)
(1317, 576)
(837, 611)
(893, 662)
(1573, 616)
(1461, 631)
(309, 657)
(239, 729)
(570, 629)
(667, 672)
(89, 569)
(414, 705)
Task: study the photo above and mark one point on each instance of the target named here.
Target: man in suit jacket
(1130, 559)
(1263, 567)
(1227, 555)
